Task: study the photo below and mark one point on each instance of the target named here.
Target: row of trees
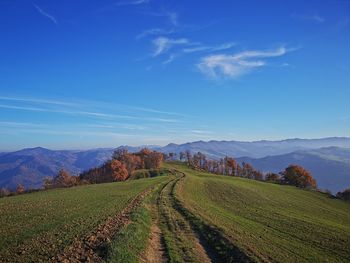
(119, 168)
(5, 192)
(62, 179)
(344, 195)
(144, 159)
(112, 170)
(292, 175)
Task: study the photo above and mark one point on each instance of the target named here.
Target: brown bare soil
(155, 252)
(185, 240)
(93, 247)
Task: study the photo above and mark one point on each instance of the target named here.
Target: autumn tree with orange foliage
(131, 161)
(20, 189)
(298, 176)
(231, 166)
(64, 179)
(119, 171)
(272, 177)
(122, 165)
(150, 159)
(154, 160)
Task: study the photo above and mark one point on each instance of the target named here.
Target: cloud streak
(45, 14)
(97, 110)
(163, 44)
(315, 18)
(203, 48)
(154, 32)
(135, 2)
(43, 101)
(236, 65)
(183, 46)
(97, 115)
(173, 18)
(85, 104)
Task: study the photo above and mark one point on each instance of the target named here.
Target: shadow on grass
(219, 248)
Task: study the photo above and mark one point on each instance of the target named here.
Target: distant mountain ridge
(330, 166)
(255, 149)
(30, 166)
(326, 158)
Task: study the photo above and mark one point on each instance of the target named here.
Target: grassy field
(188, 216)
(132, 240)
(38, 225)
(269, 222)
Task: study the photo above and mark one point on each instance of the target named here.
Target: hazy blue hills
(328, 159)
(30, 166)
(330, 166)
(256, 149)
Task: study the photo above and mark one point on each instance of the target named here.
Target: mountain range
(328, 159)
(255, 149)
(330, 166)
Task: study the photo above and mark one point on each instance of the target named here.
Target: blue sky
(85, 74)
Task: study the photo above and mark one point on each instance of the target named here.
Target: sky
(87, 73)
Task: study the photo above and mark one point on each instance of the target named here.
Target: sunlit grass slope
(270, 222)
(38, 225)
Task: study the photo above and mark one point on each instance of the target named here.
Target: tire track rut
(93, 248)
(181, 242)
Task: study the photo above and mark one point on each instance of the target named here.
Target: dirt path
(184, 242)
(216, 246)
(155, 251)
(93, 247)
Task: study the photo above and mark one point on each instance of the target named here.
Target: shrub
(272, 177)
(4, 192)
(298, 176)
(119, 170)
(345, 195)
(20, 189)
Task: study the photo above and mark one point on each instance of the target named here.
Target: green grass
(38, 225)
(148, 173)
(269, 222)
(132, 240)
(179, 245)
(262, 221)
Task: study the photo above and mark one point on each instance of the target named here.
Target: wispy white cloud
(77, 133)
(169, 60)
(163, 44)
(45, 14)
(153, 110)
(21, 124)
(71, 112)
(163, 120)
(135, 2)
(201, 48)
(236, 65)
(154, 32)
(173, 18)
(35, 100)
(201, 132)
(157, 116)
(108, 126)
(82, 104)
(315, 17)
(97, 115)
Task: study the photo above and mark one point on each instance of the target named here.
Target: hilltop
(184, 215)
(327, 158)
